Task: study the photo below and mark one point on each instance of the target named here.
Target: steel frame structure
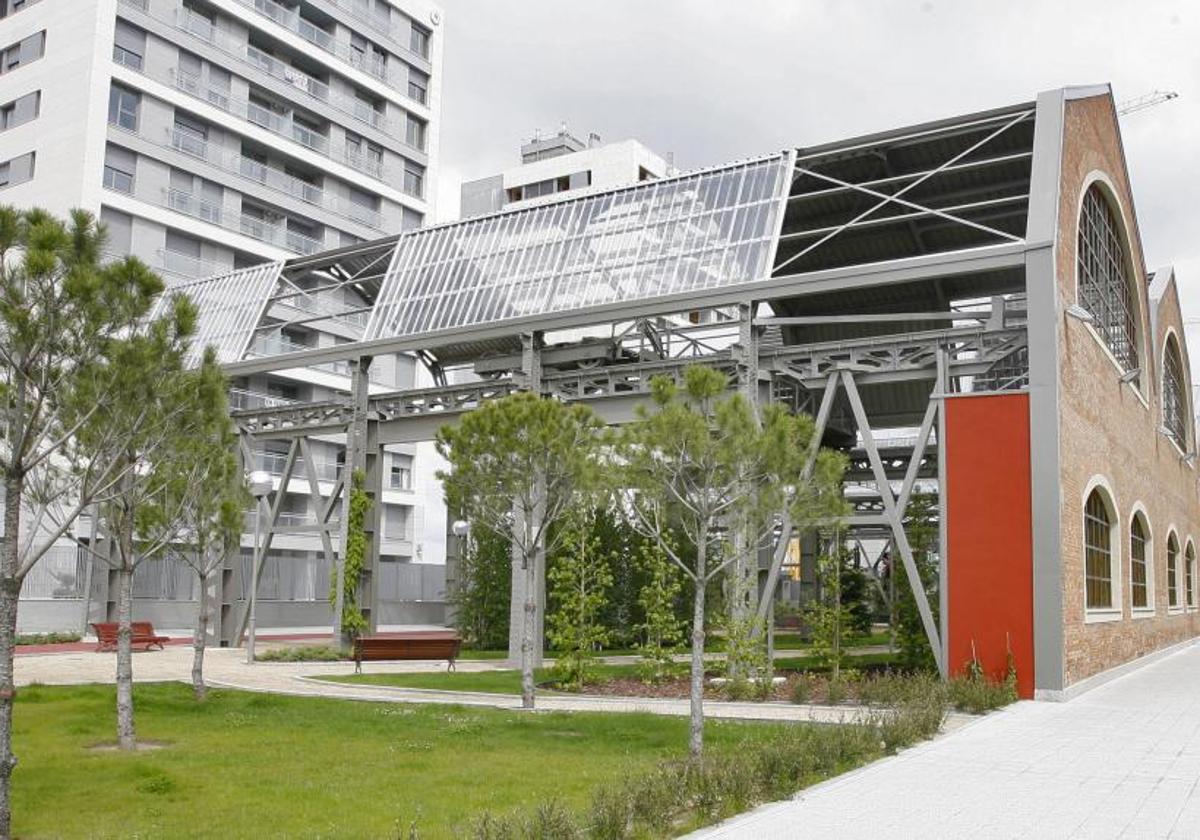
(890, 277)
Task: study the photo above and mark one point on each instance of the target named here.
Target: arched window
(1189, 574)
(1174, 393)
(1139, 597)
(1105, 287)
(1098, 552)
(1172, 571)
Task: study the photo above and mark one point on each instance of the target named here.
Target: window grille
(1105, 289)
(1174, 394)
(1097, 546)
(1189, 570)
(1138, 590)
(1172, 571)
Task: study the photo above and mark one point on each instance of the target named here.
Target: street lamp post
(260, 486)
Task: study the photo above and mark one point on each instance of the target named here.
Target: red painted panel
(989, 531)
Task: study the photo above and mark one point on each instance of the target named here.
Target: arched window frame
(1174, 555)
(1124, 359)
(1189, 576)
(1176, 398)
(1115, 539)
(1138, 515)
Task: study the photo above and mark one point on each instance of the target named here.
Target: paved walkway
(1121, 761)
(226, 667)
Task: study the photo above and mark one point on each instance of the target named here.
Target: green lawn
(784, 640)
(508, 681)
(270, 766)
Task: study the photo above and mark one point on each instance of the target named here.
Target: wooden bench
(143, 635)
(418, 644)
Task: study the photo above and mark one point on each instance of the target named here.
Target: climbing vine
(353, 621)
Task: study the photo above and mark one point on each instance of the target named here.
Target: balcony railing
(274, 464)
(265, 231)
(274, 345)
(201, 27)
(290, 19)
(361, 9)
(240, 398)
(185, 265)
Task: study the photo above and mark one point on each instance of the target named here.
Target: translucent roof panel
(706, 230)
(230, 306)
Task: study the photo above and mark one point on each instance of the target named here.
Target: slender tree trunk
(696, 733)
(10, 590)
(199, 638)
(528, 631)
(125, 734)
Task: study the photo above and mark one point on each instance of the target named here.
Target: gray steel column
(941, 389)
(1044, 326)
(356, 441)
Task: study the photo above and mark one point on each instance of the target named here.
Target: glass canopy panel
(707, 230)
(229, 305)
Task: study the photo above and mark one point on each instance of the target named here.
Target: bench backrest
(143, 628)
(109, 629)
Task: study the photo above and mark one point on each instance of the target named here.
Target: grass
(277, 766)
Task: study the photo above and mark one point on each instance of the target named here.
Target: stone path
(226, 667)
(1120, 761)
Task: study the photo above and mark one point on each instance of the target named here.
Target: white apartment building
(559, 164)
(211, 135)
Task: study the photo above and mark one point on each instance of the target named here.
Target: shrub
(611, 814)
(836, 691)
(302, 653)
(47, 638)
(802, 690)
(977, 694)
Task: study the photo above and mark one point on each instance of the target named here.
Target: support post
(356, 434)
(895, 521)
(523, 578)
(941, 389)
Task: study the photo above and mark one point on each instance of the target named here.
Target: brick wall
(1110, 428)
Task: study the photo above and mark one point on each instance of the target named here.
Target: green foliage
(827, 615)
(750, 670)
(526, 452)
(578, 585)
(354, 563)
(302, 653)
(47, 638)
(484, 593)
(977, 694)
(920, 525)
(662, 631)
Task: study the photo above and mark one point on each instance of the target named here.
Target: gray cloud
(713, 81)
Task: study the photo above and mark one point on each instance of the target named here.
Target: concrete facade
(211, 135)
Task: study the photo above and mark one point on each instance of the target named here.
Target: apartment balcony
(241, 399)
(275, 123)
(273, 463)
(274, 345)
(201, 28)
(291, 20)
(186, 266)
(198, 207)
(361, 9)
(237, 164)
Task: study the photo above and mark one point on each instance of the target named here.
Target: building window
(123, 108)
(1172, 571)
(10, 7)
(18, 170)
(1098, 552)
(418, 86)
(20, 110)
(1105, 287)
(24, 51)
(414, 178)
(1174, 393)
(414, 132)
(419, 42)
(1189, 574)
(128, 57)
(1139, 585)
(401, 478)
(119, 180)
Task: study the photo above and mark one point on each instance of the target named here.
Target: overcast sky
(713, 81)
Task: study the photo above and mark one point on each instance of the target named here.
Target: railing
(275, 345)
(185, 265)
(274, 463)
(275, 234)
(193, 205)
(242, 399)
(200, 27)
(260, 229)
(324, 303)
(361, 10)
(291, 20)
